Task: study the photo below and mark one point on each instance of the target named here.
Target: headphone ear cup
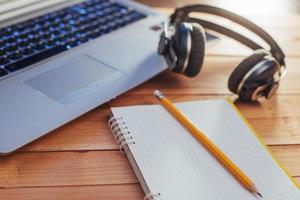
(180, 43)
(197, 52)
(243, 68)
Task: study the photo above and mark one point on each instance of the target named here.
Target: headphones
(182, 44)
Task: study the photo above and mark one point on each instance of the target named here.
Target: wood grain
(281, 106)
(213, 79)
(91, 167)
(65, 169)
(107, 192)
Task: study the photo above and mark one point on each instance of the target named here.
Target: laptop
(61, 58)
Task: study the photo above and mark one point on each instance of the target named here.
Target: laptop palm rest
(75, 78)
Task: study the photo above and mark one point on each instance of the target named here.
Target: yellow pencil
(208, 144)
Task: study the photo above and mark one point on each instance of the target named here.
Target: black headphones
(182, 43)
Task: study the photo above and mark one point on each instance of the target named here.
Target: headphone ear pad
(243, 68)
(196, 58)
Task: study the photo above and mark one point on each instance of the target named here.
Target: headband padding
(182, 14)
(243, 68)
(197, 51)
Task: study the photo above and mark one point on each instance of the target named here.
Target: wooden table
(81, 159)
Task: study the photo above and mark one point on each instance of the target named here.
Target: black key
(2, 52)
(15, 56)
(23, 43)
(7, 31)
(10, 40)
(110, 18)
(71, 42)
(40, 46)
(61, 13)
(104, 29)
(61, 40)
(46, 35)
(3, 60)
(112, 25)
(10, 48)
(2, 72)
(23, 36)
(50, 42)
(34, 39)
(95, 33)
(28, 50)
(19, 28)
(34, 59)
(121, 22)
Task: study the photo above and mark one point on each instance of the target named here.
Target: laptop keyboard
(31, 41)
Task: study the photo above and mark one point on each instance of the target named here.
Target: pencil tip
(259, 195)
(254, 190)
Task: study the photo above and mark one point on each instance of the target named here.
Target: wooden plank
(65, 169)
(281, 106)
(107, 192)
(278, 131)
(213, 79)
(289, 157)
(91, 168)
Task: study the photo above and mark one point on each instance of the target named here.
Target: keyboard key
(23, 43)
(33, 38)
(3, 60)
(2, 52)
(15, 56)
(10, 39)
(2, 72)
(40, 46)
(10, 48)
(27, 50)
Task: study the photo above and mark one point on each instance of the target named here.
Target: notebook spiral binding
(121, 133)
(153, 196)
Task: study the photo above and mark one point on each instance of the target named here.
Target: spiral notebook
(172, 165)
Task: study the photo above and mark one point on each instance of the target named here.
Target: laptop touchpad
(73, 79)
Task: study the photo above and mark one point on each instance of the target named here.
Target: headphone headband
(181, 14)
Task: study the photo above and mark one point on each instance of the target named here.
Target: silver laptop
(62, 58)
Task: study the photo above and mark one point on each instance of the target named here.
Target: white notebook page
(177, 166)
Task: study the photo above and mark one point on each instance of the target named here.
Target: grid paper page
(176, 165)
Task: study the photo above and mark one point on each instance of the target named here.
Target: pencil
(208, 144)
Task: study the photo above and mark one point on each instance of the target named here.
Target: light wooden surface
(81, 160)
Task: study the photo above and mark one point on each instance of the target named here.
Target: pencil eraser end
(158, 94)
